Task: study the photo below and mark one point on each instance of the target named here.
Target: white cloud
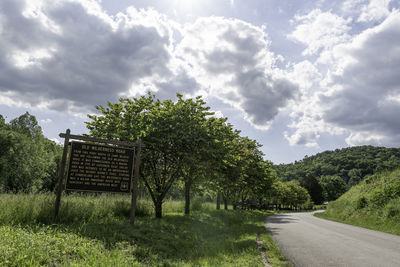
(70, 55)
(56, 140)
(366, 86)
(353, 86)
(320, 30)
(308, 138)
(46, 121)
(232, 58)
(306, 75)
(375, 10)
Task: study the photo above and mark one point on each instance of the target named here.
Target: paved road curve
(306, 241)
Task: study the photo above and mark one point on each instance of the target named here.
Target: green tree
(314, 189)
(26, 124)
(355, 176)
(333, 186)
(27, 158)
(173, 133)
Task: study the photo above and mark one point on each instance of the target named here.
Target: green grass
(94, 231)
(373, 204)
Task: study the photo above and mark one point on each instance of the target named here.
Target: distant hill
(320, 173)
(373, 203)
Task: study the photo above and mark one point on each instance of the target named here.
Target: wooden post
(135, 183)
(61, 175)
(218, 200)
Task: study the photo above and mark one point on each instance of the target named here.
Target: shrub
(383, 195)
(392, 209)
(361, 203)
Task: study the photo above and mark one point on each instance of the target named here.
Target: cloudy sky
(300, 77)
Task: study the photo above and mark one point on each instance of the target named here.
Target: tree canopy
(185, 143)
(28, 160)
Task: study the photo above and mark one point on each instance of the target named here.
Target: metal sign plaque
(99, 168)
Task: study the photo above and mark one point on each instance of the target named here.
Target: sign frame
(135, 146)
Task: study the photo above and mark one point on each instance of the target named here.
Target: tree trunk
(234, 205)
(158, 208)
(225, 203)
(187, 198)
(218, 200)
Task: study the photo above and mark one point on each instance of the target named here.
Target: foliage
(28, 160)
(289, 195)
(186, 145)
(351, 164)
(333, 186)
(173, 132)
(373, 203)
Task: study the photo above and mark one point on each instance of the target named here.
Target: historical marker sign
(99, 168)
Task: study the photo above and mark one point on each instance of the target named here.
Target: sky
(300, 77)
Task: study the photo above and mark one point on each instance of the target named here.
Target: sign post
(135, 184)
(99, 168)
(61, 174)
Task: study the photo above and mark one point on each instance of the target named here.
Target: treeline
(187, 151)
(329, 174)
(187, 147)
(28, 160)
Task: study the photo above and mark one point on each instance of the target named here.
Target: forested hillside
(329, 174)
(28, 160)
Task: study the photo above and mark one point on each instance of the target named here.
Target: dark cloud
(71, 56)
(239, 67)
(90, 60)
(369, 96)
(263, 95)
(181, 83)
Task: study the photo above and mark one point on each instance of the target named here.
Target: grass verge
(372, 204)
(94, 231)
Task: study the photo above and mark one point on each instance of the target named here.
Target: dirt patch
(263, 251)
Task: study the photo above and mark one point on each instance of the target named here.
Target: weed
(374, 203)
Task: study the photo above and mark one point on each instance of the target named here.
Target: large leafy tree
(173, 133)
(28, 160)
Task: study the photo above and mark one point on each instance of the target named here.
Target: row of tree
(187, 149)
(186, 144)
(28, 160)
(329, 174)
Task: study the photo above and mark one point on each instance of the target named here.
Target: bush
(383, 195)
(392, 209)
(361, 203)
(196, 204)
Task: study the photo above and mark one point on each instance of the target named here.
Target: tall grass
(39, 208)
(374, 204)
(95, 231)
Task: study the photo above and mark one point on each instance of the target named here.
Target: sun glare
(190, 7)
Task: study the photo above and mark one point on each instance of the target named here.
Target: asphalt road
(306, 240)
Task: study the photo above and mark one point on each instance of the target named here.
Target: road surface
(307, 241)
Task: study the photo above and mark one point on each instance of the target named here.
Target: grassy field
(373, 204)
(94, 231)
